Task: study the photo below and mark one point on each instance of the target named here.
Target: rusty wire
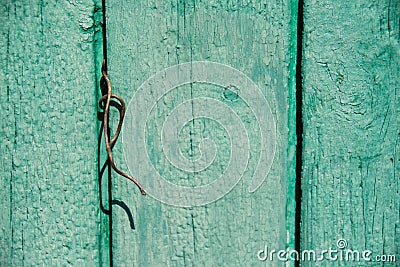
(104, 103)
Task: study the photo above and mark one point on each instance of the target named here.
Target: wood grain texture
(351, 126)
(255, 37)
(50, 213)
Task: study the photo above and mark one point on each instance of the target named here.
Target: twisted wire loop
(104, 103)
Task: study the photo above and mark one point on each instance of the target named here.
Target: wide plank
(350, 178)
(255, 37)
(48, 130)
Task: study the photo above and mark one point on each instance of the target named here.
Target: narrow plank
(351, 126)
(257, 38)
(48, 127)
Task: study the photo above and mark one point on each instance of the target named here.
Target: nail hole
(231, 93)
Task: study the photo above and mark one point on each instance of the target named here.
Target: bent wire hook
(104, 103)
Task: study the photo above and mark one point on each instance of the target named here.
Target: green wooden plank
(255, 37)
(48, 127)
(351, 127)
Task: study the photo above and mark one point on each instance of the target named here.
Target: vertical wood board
(351, 82)
(48, 127)
(256, 37)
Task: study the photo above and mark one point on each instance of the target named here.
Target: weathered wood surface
(351, 78)
(50, 213)
(257, 38)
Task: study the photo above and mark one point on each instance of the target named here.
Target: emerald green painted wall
(50, 57)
